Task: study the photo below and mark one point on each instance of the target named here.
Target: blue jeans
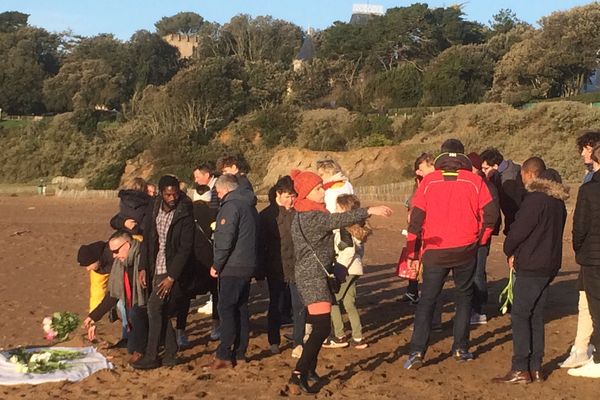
(299, 315)
(480, 291)
(433, 283)
(527, 315)
(123, 314)
(234, 317)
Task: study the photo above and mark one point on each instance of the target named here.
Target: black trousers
(433, 283)
(159, 323)
(234, 317)
(591, 285)
(527, 315)
(138, 336)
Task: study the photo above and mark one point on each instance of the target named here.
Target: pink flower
(50, 335)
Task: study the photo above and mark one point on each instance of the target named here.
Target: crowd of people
(172, 243)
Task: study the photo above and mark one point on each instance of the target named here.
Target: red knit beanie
(304, 182)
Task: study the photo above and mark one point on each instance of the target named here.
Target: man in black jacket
(506, 176)
(235, 262)
(534, 250)
(166, 265)
(276, 251)
(586, 243)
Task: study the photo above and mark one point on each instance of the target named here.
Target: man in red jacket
(453, 213)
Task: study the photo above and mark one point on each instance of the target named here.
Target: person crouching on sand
(534, 250)
(123, 285)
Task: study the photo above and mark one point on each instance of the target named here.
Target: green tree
(310, 83)
(212, 93)
(27, 57)
(461, 74)
(187, 23)
(398, 87)
(152, 60)
(267, 82)
(11, 21)
(504, 21)
(554, 61)
(253, 39)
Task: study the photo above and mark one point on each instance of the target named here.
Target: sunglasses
(115, 251)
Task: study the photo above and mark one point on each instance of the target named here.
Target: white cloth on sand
(78, 369)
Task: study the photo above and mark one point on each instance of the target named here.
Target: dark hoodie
(133, 205)
(535, 237)
(235, 237)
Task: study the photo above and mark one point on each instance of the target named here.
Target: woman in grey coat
(312, 234)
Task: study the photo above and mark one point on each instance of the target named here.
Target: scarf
(303, 205)
(116, 281)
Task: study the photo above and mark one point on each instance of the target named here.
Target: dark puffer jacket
(235, 244)
(586, 224)
(535, 238)
(133, 205)
(317, 227)
(276, 248)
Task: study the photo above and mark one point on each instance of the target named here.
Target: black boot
(313, 377)
(301, 381)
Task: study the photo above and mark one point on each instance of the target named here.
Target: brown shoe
(219, 364)
(134, 357)
(514, 377)
(538, 376)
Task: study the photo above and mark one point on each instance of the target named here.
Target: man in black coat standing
(235, 262)
(534, 250)
(166, 266)
(586, 243)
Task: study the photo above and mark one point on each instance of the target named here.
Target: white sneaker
(478, 319)
(297, 352)
(207, 308)
(577, 359)
(215, 333)
(589, 370)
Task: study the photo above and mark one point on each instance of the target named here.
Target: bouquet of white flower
(42, 362)
(506, 296)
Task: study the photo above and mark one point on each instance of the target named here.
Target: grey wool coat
(318, 228)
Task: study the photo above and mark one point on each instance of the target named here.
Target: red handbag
(403, 270)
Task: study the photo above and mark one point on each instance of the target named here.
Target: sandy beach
(40, 237)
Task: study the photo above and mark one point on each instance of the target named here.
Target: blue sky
(124, 17)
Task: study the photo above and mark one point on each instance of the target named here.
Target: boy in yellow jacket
(98, 260)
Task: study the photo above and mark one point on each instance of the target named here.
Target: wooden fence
(87, 194)
(396, 192)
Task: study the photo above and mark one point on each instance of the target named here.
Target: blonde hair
(329, 165)
(138, 184)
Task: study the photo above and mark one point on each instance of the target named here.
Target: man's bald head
(531, 169)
